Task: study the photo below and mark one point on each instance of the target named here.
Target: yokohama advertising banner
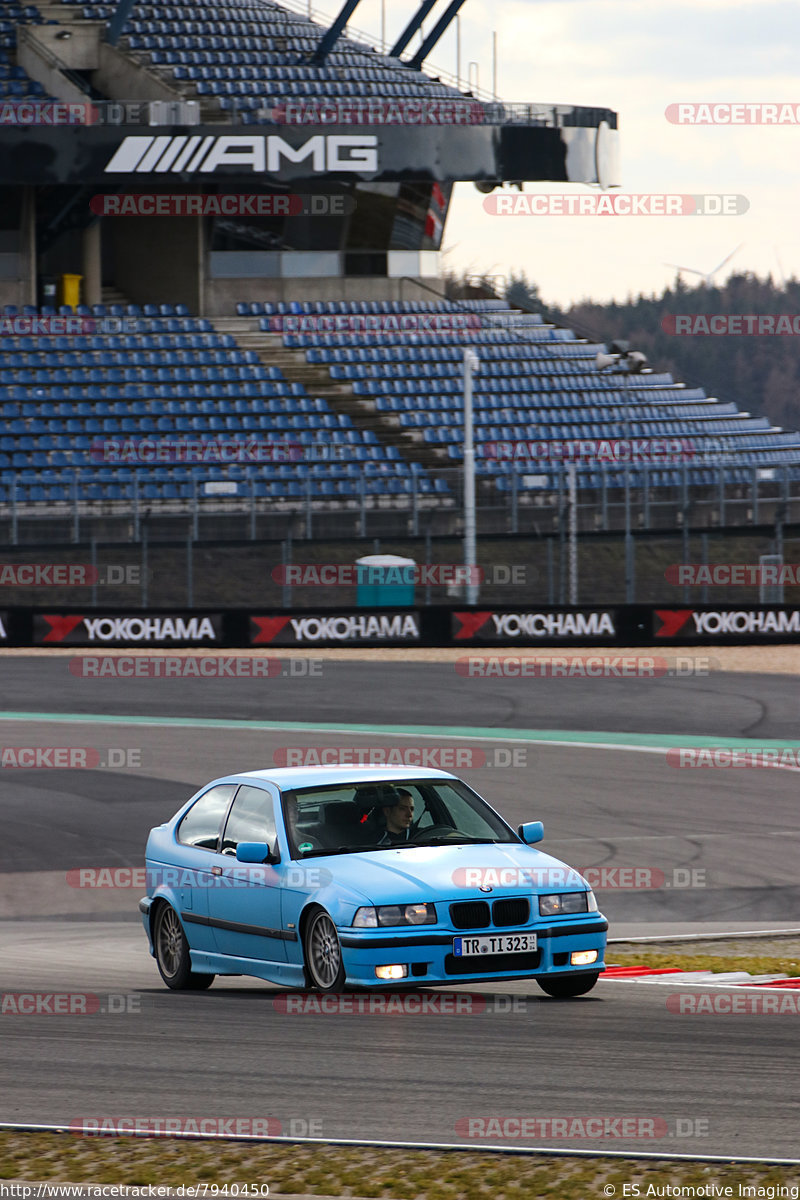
(94, 628)
(383, 627)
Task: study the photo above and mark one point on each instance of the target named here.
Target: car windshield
(379, 816)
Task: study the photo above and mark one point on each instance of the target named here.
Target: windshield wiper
(442, 839)
(336, 850)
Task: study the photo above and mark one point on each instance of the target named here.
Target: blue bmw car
(363, 877)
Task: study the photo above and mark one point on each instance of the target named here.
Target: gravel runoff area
(753, 660)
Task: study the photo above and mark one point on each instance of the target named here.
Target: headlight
(565, 902)
(395, 914)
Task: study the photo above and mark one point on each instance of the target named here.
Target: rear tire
(172, 953)
(564, 987)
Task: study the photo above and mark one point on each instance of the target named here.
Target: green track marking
(644, 742)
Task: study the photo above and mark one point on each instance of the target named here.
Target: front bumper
(429, 954)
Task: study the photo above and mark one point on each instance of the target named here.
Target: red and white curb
(673, 975)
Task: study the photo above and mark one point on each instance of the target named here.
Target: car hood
(430, 873)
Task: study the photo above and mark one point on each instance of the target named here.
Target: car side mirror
(257, 852)
(531, 832)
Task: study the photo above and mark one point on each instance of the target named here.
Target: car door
(190, 874)
(244, 902)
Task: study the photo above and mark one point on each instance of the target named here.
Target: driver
(399, 818)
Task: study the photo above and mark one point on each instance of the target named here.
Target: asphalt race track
(720, 847)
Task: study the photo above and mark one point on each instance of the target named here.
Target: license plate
(502, 943)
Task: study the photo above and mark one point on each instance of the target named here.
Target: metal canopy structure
(435, 34)
(330, 38)
(411, 28)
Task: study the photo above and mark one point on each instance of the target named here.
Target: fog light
(582, 958)
(396, 971)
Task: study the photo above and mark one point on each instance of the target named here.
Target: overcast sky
(635, 57)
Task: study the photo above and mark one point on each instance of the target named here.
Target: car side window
(200, 826)
(251, 819)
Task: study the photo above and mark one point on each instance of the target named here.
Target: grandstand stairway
(340, 396)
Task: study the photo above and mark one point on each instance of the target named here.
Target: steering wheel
(436, 831)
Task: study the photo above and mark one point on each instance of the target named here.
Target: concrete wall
(120, 78)
(222, 295)
(43, 54)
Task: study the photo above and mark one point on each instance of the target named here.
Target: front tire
(172, 953)
(564, 987)
(323, 953)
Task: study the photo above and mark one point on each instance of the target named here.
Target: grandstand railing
(624, 499)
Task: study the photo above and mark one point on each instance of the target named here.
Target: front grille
(491, 964)
(470, 914)
(511, 912)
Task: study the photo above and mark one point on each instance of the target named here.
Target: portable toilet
(385, 581)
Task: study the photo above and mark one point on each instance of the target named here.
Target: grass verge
(358, 1172)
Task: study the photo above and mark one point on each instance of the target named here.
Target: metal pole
(458, 52)
(686, 550)
(551, 590)
(14, 519)
(572, 484)
(252, 509)
(189, 574)
(195, 516)
(362, 507)
(471, 364)
(136, 506)
(704, 561)
(144, 566)
(629, 586)
(494, 64)
(427, 574)
(514, 500)
(94, 571)
(414, 507)
(76, 531)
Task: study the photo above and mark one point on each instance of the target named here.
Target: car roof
(288, 778)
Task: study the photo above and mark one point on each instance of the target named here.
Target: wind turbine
(706, 277)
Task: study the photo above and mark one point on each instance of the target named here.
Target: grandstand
(196, 330)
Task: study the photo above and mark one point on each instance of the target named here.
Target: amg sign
(257, 153)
